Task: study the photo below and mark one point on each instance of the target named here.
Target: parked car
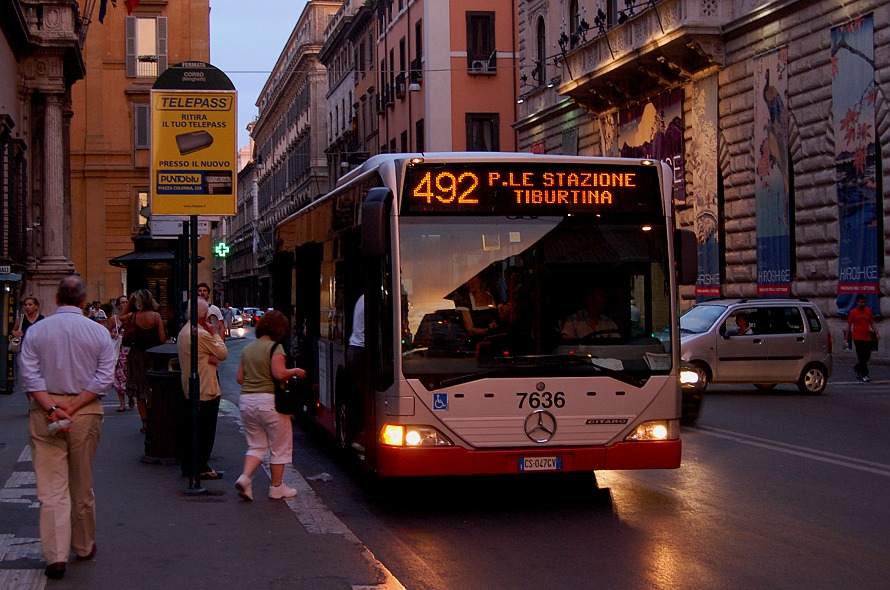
(237, 318)
(251, 314)
(758, 341)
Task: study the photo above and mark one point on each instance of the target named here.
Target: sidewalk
(152, 534)
(843, 372)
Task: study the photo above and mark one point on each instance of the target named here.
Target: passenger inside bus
(478, 307)
(590, 321)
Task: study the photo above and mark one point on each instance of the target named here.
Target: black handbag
(287, 400)
(874, 341)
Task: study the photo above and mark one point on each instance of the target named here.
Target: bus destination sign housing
(506, 188)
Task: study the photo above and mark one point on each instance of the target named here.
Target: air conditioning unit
(479, 66)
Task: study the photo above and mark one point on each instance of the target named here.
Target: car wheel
(704, 377)
(765, 386)
(813, 380)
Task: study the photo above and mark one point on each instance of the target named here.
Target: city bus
(510, 309)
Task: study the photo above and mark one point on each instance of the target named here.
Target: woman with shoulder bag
(31, 316)
(143, 329)
(263, 362)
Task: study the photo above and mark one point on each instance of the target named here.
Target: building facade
(124, 248)
(339, 57)
(447, 75)
(770, 112)
(40, 61)
(239, 277)
(291, 135)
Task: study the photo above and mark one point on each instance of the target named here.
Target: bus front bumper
(418, 461)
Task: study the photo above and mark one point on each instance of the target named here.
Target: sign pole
(194, 379)
(193, 172)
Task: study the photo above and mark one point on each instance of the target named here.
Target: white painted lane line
(799, 451)
(315, 517)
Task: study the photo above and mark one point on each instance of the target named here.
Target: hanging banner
(771, 189)
(702, 163)
(853, 114)
(655, 130)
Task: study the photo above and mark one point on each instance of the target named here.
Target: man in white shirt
(214, 315)
(356, 364)
(67, 365)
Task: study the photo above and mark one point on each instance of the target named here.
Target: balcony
(656, 49)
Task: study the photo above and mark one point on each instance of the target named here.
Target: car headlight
(688, 377)
(399, 435)
(655, 430)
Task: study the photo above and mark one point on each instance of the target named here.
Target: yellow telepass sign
(193, 152)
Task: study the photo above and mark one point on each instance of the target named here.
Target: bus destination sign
(554, 188)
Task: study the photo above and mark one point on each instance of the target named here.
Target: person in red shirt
(860, 325)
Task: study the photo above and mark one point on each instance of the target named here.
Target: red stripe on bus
(414, 461)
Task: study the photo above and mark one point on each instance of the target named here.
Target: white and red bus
(511, 305)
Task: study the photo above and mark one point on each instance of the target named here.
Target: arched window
(539, 73)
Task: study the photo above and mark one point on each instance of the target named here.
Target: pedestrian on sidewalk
(214, 315)
(211, 350)
(263, 362)
(143, 329)
(67, 364)
(116, 327)
(860, 328)
(31, 316)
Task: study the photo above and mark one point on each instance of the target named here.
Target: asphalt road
(777, 490)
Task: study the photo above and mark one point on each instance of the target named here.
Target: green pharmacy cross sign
(221, 249)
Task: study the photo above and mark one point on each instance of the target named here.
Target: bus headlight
(655, 430)
(399, 435)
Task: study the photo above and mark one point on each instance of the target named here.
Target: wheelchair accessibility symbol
(440, 401)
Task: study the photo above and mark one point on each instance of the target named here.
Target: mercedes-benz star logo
(540, 426)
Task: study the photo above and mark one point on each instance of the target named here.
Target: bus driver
(591, 322)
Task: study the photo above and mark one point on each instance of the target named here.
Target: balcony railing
(661, 46)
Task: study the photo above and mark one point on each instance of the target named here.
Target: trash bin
(164, 405)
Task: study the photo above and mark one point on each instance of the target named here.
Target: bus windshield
(507, 296)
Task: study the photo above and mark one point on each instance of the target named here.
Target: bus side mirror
(686, 256)
(375, 218)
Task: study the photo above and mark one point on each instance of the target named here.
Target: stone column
(54, 207)
(54, 264)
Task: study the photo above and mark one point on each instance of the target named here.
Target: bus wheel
(341, 426)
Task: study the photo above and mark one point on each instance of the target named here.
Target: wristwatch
(50, 411)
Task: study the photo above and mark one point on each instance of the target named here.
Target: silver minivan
(759, 341)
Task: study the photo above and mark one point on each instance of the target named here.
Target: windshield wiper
(550, 361)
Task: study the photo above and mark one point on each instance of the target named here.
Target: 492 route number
(542, 399)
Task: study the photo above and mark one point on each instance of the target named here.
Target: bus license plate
(540, 464)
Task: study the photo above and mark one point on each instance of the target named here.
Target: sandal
(212, 474)
(122, 409)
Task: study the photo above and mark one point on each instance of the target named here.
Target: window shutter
(162, 44)
(142, 134)
(131, 46)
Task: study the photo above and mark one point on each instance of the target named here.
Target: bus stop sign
(193, 141)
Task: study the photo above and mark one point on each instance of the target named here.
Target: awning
(145, 256)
